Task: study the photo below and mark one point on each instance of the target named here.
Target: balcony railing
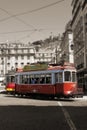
(80, 66)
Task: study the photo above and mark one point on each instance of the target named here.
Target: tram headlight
(69, 92)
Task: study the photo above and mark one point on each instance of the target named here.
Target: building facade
(67, 53)
(16, 55)
(79, 27)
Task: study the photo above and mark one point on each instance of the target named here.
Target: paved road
(2, 88)
(37, 114)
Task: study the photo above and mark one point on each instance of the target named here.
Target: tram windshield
(10, 79)
(70, 76)
(67, 75)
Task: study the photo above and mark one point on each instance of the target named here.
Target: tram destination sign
(36, 67)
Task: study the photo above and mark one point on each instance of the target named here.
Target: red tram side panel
(36, 89)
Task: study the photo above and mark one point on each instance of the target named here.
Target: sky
(31, 20)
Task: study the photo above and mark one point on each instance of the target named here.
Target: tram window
(33, 80)
(56, 77)
(43, 79)
(16, 78)
(24, 79)
(12, 79)
(48, 78)
(31, 77)
(8, 79)
(73, 76)
(67, 75)
(60, 77)
(37, 78)
(20, 79)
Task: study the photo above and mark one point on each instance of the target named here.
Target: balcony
(80, 66)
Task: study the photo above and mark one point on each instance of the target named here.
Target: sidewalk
(82, 98)
(2, 89)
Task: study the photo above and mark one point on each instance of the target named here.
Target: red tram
(59, 81)
(10, 82)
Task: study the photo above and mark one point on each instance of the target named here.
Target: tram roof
(42, 71)
(44, 68)
(39, 72)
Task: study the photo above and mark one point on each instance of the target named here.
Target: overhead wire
(23, 13)
(11, 15)
(40, 8)
(34, 29)
(18, 31)
(31, 11)
(28, 30)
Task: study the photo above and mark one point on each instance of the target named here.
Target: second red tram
(10, 82)
(53, 81)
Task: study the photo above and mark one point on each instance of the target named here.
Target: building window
(28, 57)
(46, 54)
(9, 51)
(22, 51)
(16, 57)
(22, 63)
(22, 57)
(86, 61)
(16, 51)
(8, 57)
(8, 64)
(16, 63)
(2, 71)
(1, 58)
(72, 46)
(86, 23)
(28, 51)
